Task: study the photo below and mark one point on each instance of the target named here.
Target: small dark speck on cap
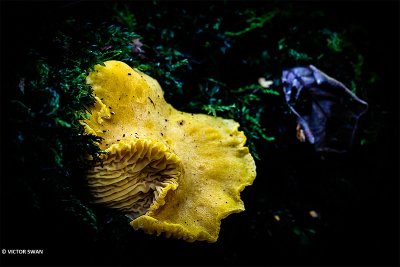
(129, 73)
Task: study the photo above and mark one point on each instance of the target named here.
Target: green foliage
(254, 88)
(253, 21)
(125, 17)
(335, 41)
(215, 107)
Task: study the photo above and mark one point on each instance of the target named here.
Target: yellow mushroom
(171, 172)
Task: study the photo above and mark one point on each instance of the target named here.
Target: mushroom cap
(171, 172)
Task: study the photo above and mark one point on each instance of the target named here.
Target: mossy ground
(208, 57)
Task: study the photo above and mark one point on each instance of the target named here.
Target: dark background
(356, 193)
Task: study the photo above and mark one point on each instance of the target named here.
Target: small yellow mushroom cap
(171, 172)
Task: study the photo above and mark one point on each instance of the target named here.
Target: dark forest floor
(355, 195)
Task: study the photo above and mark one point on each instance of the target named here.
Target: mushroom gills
(134, 176)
